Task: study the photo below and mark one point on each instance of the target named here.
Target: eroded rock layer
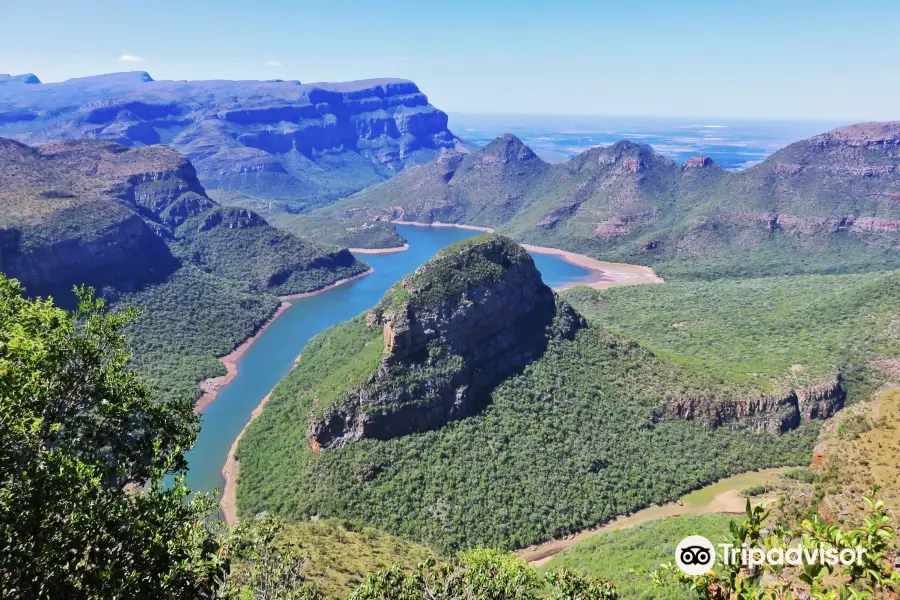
(471, 316)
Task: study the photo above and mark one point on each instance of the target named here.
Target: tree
(872, 575)
(84, 448)
(481, 575)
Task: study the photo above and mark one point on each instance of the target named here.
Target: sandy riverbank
(722, 497)
(603, 274)
(379, 250)
(228, 502)
(212, 385)
(441, 224)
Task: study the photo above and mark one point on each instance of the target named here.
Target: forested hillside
(828, 204)
(596, 426)
(137, 225)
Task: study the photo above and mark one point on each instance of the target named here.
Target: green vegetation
(136, 225)
(339, 232)
(467, 264)
(84, 447)
(339, 361)
(628, 557)
(245, 248)
(335, 557)
(871, 574)
(186, 322)
(787, 215)
(553, 452)
(751, 333)
(481, 574)
(555, 449)
(84, 513)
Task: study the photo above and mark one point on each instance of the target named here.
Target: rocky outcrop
(775, 413)
(97, 213)
(468, 318)
(124, 254)
(276, 139)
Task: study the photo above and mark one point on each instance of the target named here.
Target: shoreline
(603, 274)
(442, 224)
(213, 385)
(402, 248)
(232, 467)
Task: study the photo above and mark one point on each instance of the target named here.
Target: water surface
(272, 355)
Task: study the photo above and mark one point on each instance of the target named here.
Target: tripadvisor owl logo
(695, 555)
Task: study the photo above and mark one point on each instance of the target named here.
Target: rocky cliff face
(776, 413)
(471, 316)
(300, 143)
(98, 213)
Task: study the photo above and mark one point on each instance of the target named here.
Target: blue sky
(789, 59)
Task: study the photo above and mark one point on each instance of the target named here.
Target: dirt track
(726, 499)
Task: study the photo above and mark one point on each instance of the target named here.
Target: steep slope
(603, 194)
(588, 427)
(826, 204)
(472, 315)
(59, 228)
(99, 213)
(297, 143)
(486, 187)
(137, 224)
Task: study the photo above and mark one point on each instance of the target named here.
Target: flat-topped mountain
(430, 351)
(98, 213)
(296, 142)
(826, 204)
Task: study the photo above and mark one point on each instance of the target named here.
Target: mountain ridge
(823, 204)
(297, 143)
(137, 225)
(75, 209)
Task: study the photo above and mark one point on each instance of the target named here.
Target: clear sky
(794, 59)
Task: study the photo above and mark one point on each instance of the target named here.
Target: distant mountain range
(300, 144)
(826, 204)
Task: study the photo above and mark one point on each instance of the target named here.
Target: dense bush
(575, 440)
(749, 333)
(872, 575)
(189, 320)
(84, 447)
(629, 557)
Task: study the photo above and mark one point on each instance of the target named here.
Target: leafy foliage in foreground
(572, 441)
(873, 575)
(80, 434)
(267, 567)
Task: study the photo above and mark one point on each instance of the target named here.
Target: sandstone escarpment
(269, 138)
(774, 413)
(468, 318)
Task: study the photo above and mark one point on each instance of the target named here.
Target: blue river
(272, 355)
